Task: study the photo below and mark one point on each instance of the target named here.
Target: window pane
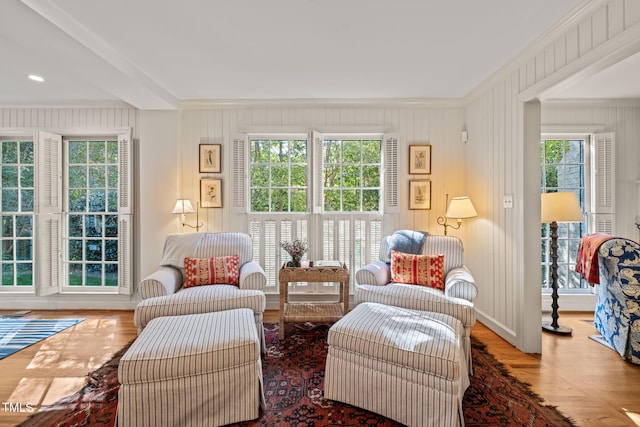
(77, 200)
(298, 152)
(111, 275)
(97, 201)
(299, 201)
(25, 275)
(351, 200)
(370, 200)
(332, 176)
(111, 226)
(332, 200)
(279, 200)
(280, 176)
(111, 250)
(26, 152)
(371, 176)
(260, 151)
(9, 200)
(97, 176)
(75, 250)
(93, 276)
(260, 200)
(331, 152)
(26, 176)
(9, 176)
(9, 152)
(93, 225)
(371, 151)
(112, 176)
(97, 152)
(298, 176)
(75, 226)
(112, 152)
(24, 226)
(75, 275)
(7, 274)
(26, 200)
(94, 250)
(351, 176)
(77, 152)
(259, 175)
(7, 227)
(23, 250)
(77, 176)
(351, 152)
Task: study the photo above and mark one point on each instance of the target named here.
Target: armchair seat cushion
(199, 299)
(414, 297)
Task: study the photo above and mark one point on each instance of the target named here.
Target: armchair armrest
(164, 281)
(459, 283)
(252, 276)
(376, 273)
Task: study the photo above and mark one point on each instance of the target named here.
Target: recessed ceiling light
(36, 78)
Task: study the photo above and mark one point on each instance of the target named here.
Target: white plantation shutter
(390, 185)
(49, 173)
(125, 261)
(240, 159)
(125, 160)
(317, 190)
(48, 218)
(603, 183)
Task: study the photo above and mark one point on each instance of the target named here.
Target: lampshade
(560, 207)
(183, 206)
(461, 207)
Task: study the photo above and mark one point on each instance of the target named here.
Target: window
(77, 194)
(563, 169)
(17, 198)
(352, 175)
(278, 175)
(323, 188)
(584, 165)
(91, 214)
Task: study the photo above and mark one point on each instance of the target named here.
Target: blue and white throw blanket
(407, 241)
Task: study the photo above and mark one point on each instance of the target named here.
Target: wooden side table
(312, 311)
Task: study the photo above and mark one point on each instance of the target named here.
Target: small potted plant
(296, 249)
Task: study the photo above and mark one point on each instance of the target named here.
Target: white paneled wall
(412, 124)
(501, 156)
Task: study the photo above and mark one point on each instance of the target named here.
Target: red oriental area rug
(293, 379)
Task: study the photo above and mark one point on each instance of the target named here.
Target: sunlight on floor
(633, 416)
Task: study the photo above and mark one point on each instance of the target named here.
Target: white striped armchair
(373, 284)
(163, 294)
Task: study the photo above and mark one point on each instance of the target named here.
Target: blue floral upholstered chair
(617, 315)
(374, 282)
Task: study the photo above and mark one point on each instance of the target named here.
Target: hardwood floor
(585, 380)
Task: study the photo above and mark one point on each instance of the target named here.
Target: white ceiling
(153, 54)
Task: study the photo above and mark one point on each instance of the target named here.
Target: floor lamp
(557, 207)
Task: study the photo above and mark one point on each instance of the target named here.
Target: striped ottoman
(404, 364)
(192, 370)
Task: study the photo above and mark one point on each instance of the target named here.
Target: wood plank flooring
(584, 379)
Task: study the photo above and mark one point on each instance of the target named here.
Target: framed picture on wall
(420, 194)
(420, 159)
(211, 193)
(210, 158)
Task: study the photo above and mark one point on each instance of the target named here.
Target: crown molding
(591, 103)
(203, 104)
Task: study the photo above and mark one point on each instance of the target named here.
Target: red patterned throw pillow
(424, 270)
(211, 271)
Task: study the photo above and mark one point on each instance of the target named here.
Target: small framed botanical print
(420, 159)
(210, 158)
(211, 193)
(420, 194)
